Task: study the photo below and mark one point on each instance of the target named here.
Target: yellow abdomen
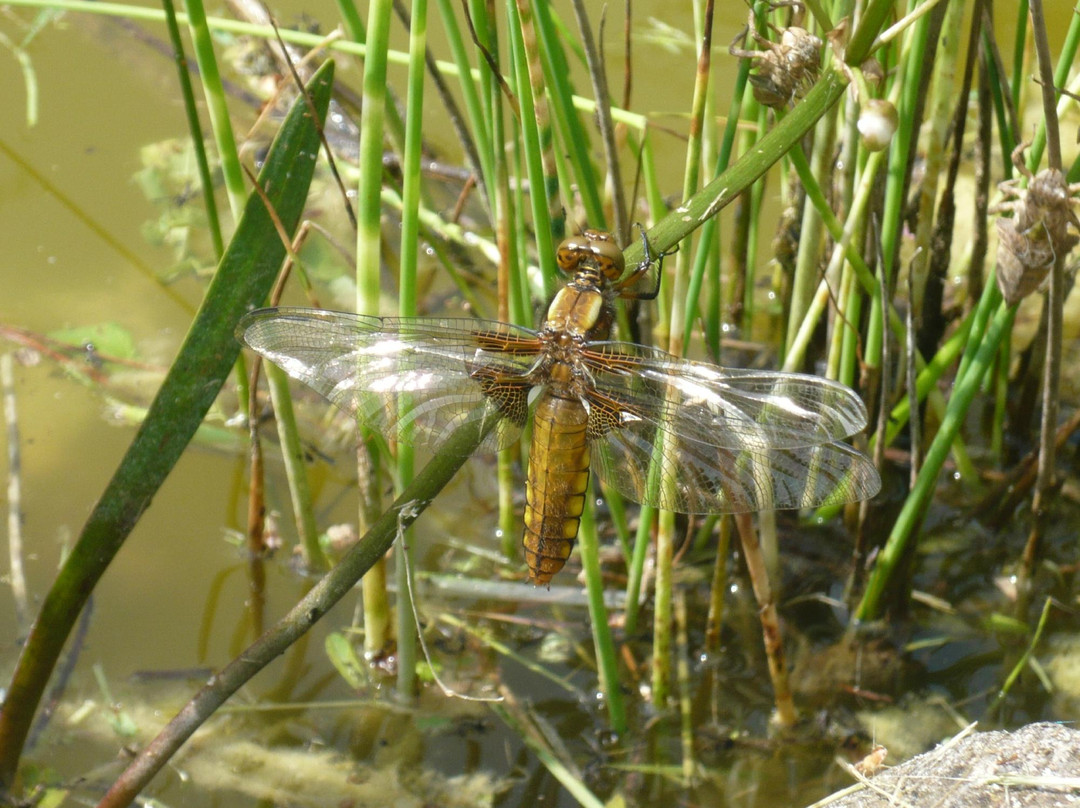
(555, 487)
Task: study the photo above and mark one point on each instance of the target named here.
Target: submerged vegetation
(884, 202)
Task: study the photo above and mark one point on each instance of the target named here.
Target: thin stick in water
(14, 493)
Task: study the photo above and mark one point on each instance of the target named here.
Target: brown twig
(1054, 301)
(598, 76)
(786, 715)
(1000, 502)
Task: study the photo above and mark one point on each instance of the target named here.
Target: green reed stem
(480, 128)
(619, 522)
(661, 646)
(1001, 400)
(407, 307)
(896, 171)
(216, 107)
(748, 222)
(513, 307)
(670, 323)
(532, 145)
(636, 571)
(377, 621)
(351, 20)
(927, 380)
(620, 215)
(484, 35)
(295, 459)
(518, 723)
(653, 188)
(549, 188)
(1023, 661)
(191, 112)
(874, 17)
(709, 231)
(964, 390)
(574, 138)
(607, 662)
(486, 119)
(681, 316)
(1020, 32)
(718, 588)
(939, 115)
(686, 702)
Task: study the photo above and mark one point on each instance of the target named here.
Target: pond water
(176, 604)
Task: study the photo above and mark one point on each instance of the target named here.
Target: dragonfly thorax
(561, 364)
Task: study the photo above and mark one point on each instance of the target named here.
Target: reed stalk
(377, 618)
(524, 726)
(638, 554)
(718, 587)
(191, 112)
(964, 390)
(1054, 302)
(411, 191)
(672, 327)
(604, 645)
(662, 615)
(682, 677)
(532, 148)
(233, 172)
(620, 217)
(214, 92)
(573, 137)
(785, 716)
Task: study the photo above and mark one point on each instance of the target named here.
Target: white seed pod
(877, 124)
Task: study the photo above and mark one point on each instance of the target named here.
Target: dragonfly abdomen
(555, 485)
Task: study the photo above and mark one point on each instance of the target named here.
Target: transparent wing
(415, 380)
(732, 440)
(709, 479)
(723, 407)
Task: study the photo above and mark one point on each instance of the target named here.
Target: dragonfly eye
(592, 247)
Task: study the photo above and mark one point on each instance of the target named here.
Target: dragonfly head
(590, 252)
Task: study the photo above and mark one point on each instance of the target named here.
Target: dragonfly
(728, 440)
